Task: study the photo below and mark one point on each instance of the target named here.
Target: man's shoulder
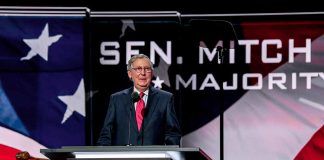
(162, 92)
(121, 93)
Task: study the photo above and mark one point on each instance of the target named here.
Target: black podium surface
(125, 152)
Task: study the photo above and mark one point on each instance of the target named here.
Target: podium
(125, 152)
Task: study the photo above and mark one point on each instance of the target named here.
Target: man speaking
(140, 115)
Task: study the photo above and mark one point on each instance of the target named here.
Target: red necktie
(140, 111)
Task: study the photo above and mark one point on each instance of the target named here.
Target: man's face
(141, 74)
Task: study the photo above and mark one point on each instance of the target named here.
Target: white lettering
(264, 51)
(256, 86)
(192, 80)
(165, 56)
(209, 78)
(130, 51)
(114, 53)
(277, 78)
(306, 50)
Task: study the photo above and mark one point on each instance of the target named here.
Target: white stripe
(21, 142)
(311, 103)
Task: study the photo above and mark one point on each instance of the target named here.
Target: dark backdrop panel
(107, 79)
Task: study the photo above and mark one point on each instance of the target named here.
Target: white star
(75, 102)
(158, 82)
(127, 23)
(40, 45)
(162, 71)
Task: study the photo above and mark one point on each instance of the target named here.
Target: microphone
(219, 51)
(135, 97)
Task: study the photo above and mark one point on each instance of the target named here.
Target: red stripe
(8, 153)
(314, 149)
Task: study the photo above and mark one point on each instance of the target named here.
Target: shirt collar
(145, 93)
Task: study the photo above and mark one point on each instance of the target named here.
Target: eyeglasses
(140, 69)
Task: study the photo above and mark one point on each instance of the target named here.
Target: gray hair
(138, 56)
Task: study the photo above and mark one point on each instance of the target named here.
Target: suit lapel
(151, 105)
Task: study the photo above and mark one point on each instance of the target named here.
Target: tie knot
(141, 94)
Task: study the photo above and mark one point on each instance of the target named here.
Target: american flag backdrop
(277, 122)
(42, 94)
(42, 80)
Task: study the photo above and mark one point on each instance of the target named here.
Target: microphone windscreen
(135, 97)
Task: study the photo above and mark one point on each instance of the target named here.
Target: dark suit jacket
(160, 125)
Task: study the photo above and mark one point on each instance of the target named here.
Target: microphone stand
(135, 98)
(220, 54)
(129, 121)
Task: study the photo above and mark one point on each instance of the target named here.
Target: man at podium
(141, 114)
